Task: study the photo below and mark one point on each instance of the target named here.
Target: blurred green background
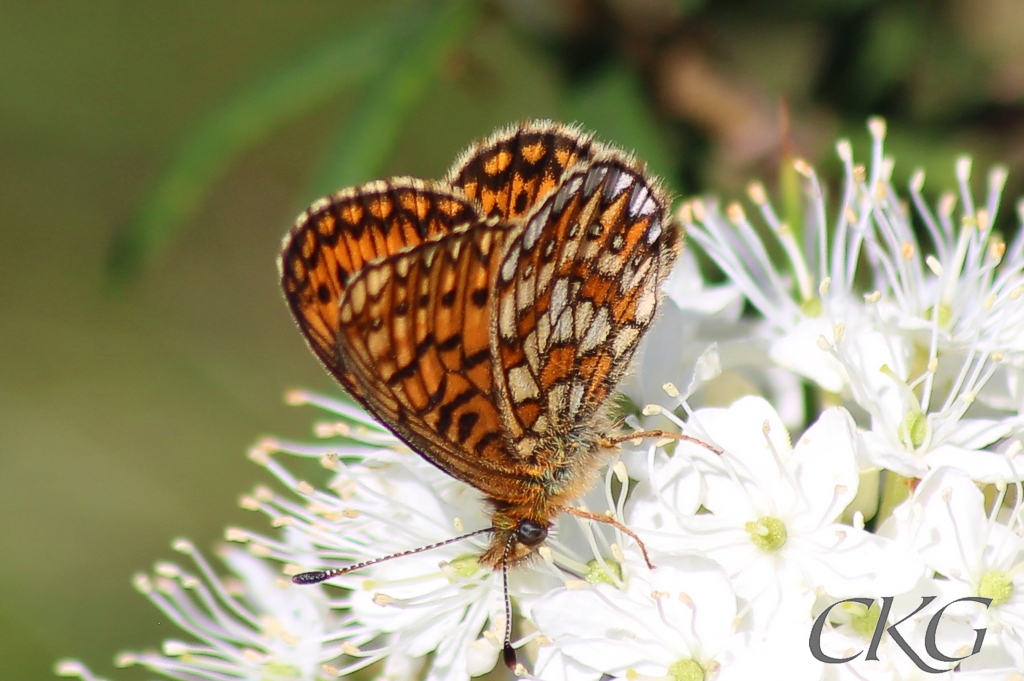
(152, 155)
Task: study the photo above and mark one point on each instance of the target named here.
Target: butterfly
(486, 319)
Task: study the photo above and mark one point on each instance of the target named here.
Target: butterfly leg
(642, 434)
(614, 523)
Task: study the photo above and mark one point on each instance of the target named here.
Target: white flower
(677, 621)
(386, 502)
(789, 302)
(773, 511)
(255, 627)
(697, 321)
(945, 521)
(932, 350)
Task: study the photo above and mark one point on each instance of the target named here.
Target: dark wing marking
(577, 289)
(510, 172)
(338, 235)
(415, 334)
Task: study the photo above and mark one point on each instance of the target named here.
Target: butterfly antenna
(317, 576)
(642, 434)
(508, 652)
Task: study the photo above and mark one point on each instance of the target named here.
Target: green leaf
(614, 106)
(370, 132)
(244, 120)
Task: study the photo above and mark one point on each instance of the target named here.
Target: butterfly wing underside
(479, 317)
(576, 291)
(338, 235)
(415, 333)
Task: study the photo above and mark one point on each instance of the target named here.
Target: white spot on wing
(428, 257)
(508, 268)
(530, 350)
(356, 295)
(624, 340)
(654, 231)
(557, 397)
(566, 193)
(648, 301)
(521, 384)
(563, 329)
(638, 201)
(559, 296)
(544, 331)
(609, 264)
(375, 280)
(544, 276)
(591, 249)
(575, 398)
(534, 229)
(507, 318)
(597, 333)
(617, 183)
(623, 184)
(525, 293)
(402, 267)
(584, 313)
(594, 179)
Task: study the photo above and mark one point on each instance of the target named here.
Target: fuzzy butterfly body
(487, 318)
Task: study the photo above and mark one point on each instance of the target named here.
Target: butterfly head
(514, 539)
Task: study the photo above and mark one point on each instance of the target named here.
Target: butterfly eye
(531, 533)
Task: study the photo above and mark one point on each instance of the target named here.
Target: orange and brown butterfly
(487, 318)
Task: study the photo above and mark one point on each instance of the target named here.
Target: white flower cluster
(886, 542)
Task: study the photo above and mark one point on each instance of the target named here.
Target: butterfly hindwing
(577, 289)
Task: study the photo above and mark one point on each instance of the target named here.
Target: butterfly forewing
(337, 236)
(509, 173)
(415, 331)
(576, 291)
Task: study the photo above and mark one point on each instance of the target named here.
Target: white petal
(845, 561)
(979, 464)
(481, 656)
(780, 654)
(553, 665)
(825, 466)
(951, 538)
(798, 350)
(600, 628)
(741, 431)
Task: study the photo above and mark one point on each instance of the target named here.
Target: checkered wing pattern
(415, 333)
(339, 235)
(486, 319)
(576, 290)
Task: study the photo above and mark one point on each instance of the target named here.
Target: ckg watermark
(930, 638)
